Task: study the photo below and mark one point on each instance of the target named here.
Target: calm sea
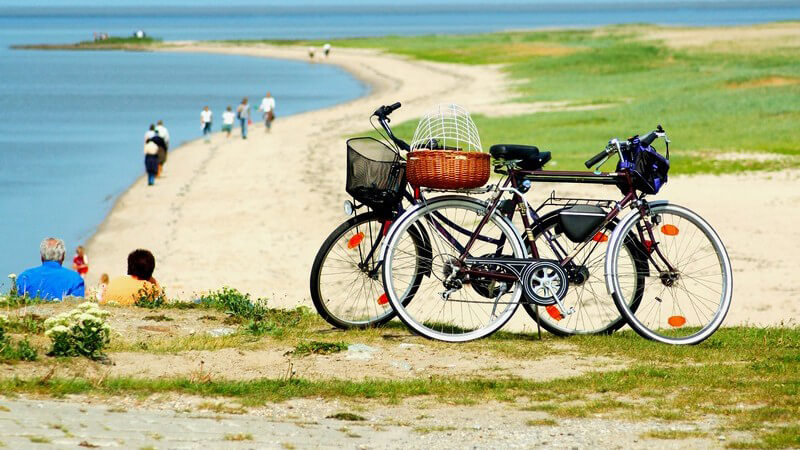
(71, 123)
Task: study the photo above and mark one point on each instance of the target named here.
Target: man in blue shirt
(50, 281)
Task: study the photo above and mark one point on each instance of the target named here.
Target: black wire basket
(376, 174)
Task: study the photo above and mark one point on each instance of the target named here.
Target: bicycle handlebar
(382, 114)
(384, 110)
(615, 145)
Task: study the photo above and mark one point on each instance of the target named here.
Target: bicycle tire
(322, 306)
(439, 325)
(669, 320)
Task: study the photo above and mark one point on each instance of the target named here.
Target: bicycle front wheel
(689, 282)
(448, 305)
(345, 277)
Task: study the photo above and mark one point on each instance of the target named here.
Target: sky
(324, 3)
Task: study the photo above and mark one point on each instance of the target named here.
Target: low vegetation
(711, 99)
(80, 332)
(319, 348)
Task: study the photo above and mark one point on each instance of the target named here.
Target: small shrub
(9, 351)
(151, 297)
(80, 332)
(319, 348)
(234, 303)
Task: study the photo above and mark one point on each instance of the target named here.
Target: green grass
(689, 92)
(755, 367)
(348, 416)
(319, 348)
(239, 437)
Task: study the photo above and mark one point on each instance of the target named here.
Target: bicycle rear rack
(565, 202)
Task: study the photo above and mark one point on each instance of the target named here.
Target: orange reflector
(669, 230)
(676, 321)
(383, 299)
(355, 241)
(554, 312)
(600, 237)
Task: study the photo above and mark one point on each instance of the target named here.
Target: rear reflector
(554, 312)
(669, 230)
(676, 321)
(383, 299)
(600, 237)
(355, 241)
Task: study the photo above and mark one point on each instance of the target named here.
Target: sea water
(71, 123)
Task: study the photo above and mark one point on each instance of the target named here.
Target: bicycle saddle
(530, 157)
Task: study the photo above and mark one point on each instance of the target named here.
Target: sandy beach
(252, 213)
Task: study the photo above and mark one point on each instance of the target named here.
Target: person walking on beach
(50, 281)
(205, 120)
(151, 161)
(243, 113)
(326, 49)
(311, 51)
(163, 133)
(268, 109)
(227, 121)
(80, 262)
(150, 133)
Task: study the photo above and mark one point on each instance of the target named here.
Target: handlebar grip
(648, 139)
(392, 107)
(596, 159)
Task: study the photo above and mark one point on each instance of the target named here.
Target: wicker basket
(447, 169)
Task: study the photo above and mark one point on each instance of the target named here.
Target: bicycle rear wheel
(687, 303)
(345, 281)
(470, 309)
(594, 310)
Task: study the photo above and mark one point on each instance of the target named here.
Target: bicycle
(482, 269)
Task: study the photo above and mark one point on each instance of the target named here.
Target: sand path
(252, 213)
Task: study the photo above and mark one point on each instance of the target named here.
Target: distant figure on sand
(243, 114)
(150, 133)
(311, 51)
(125, 290)
(163, 133)
(205, 120)
(227, 121)
(151, 161)
(326, 49)
(80, 262)
(268, 109)
(50, 281)
(101, 287)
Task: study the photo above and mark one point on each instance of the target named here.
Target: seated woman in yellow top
(125, 290)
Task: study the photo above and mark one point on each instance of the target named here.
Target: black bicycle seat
(529, 156)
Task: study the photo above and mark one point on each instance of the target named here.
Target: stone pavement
(42, 424)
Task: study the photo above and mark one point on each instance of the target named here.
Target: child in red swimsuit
(80, 263)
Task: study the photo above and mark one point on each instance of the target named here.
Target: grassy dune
(712, 98)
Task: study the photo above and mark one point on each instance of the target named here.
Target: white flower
(13, 276)
(57, 330)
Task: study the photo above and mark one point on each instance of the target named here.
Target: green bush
(80, 332)
(234, 303)
(22, 351)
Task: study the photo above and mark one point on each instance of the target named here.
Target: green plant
(151, 297)
(319, 348)
(9, 351)
(80, 332)
(235, 303)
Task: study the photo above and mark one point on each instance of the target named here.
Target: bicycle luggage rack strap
(565, 201)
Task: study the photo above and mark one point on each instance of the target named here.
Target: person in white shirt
(268, 109)
(162, 131)
(205, 121)
(326, 49)
(227, 121)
